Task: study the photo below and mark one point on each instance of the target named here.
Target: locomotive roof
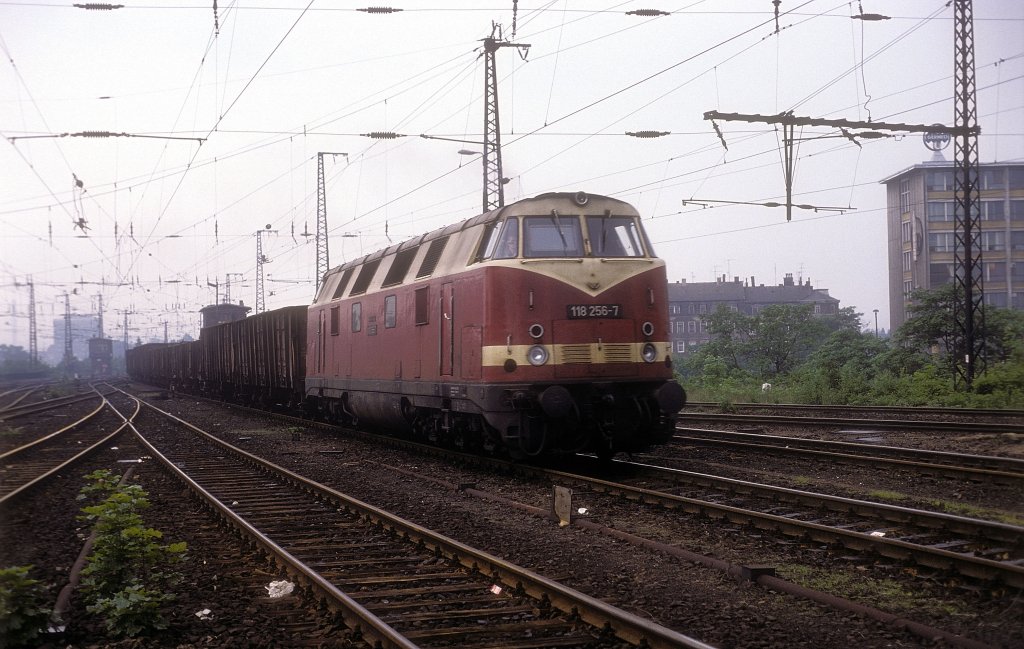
(438, 250)
(518, 207)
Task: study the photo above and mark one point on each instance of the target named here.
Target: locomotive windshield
(614, 236)
(552, 236)
(563, 236)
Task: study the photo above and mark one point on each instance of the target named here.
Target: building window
(996, 299)
(390, 311)
(703, 308)
(992, 179)
(992, 211)
(995, 271)
(335, 320)
(907, 231)
(357, 317)
(1017, 240)
(1018, 300)
(940, 211)
(993, 241)
(1016, 210)
(904, 196)
(908, 261)
(703, 326)
(1017, 271)
(939, 274)
(908, 287)
(691, 326)
(941, 242)
(939, 181)
(680, 347)
(690, 308)
(1016, 175)
(675, 309)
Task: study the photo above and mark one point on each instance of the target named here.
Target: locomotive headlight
(537, 355)
(649, 352)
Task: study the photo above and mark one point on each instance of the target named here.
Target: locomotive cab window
(552, 236)
(500, 241)
(614, 236)
(390, 311)
(357, 317)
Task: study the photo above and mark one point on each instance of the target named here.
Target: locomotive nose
(556, 401)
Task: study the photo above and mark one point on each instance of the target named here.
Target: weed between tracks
(952, 507)
(885, 594)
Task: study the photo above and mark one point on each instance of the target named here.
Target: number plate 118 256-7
(579, 311)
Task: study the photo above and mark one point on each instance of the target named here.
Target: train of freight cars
(537, 328)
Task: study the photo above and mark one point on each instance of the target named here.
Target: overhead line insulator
(379, 10)
(383, 135)
(648, 134)
(97, 6)
(647, 12)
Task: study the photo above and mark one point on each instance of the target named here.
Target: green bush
(128, 569)
(22, 614)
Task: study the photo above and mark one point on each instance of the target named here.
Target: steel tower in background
(260, 260)
(494, 180)
(967, 264)
(323, 258)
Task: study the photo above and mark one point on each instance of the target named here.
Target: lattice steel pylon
(260, 260)
(968, 313)
(494, 180)
(33, 345)
(323, 257)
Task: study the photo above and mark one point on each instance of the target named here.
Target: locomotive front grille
(594, 353)
(618, 353)
(573, 354)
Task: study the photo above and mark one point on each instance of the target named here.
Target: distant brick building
(690, 303)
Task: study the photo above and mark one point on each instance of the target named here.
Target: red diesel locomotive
(539, 327)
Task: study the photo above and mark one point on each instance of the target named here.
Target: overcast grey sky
(252, 91)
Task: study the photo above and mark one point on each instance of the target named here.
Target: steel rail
(894, 410)
(596, 613)
(1012, 471)
(43, 477)
(15, 452)
(867, 424)
(43, 406)
(977, 567)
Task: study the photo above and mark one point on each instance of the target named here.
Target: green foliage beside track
(829, 360)
(129, 575)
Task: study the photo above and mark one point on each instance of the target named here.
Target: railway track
(980, 551)
(1013, 426)
(972, 548)
(979, 468)
(914, 413)
(400, 584)
(26, 465)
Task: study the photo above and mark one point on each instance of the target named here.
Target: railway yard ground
(694, 573)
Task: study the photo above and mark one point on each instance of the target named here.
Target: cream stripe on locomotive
(573, 353)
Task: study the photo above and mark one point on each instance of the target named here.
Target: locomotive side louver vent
(399, 267)
(346, 276)
(365, 275)
(432, 257)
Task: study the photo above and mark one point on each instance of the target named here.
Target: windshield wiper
(558, 226)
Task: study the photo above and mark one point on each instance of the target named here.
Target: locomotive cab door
(446, 346)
